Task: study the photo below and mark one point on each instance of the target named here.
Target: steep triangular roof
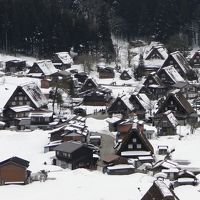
(89, 83)
(180, 99)
(160, 190)
(154, 76)
(64, 57)
(46, 66)
(173, 74)
(180, 60)
(121, 102)
(141, 136)
(125, 75)
(35, 94)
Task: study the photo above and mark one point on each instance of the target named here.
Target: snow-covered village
(81, 123)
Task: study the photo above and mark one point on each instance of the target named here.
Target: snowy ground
(81, 183)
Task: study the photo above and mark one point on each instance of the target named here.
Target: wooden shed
(14, 170)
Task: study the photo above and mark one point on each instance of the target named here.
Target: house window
(15, 98)
(20, 103)
(58, 153)
(119, 103)
(69, 155)
(13, 103)
(46, 119)
(89, 84)
(25, 98)
(65, 154)
(130, 146)
(164, 123)
(139, 146)
(20, 98)
(197, 56)
(175, 108)
(134, 140)
(166, 108)
(150, 81)
(171, 62)
(171, 102)
(195, 60)
(28, 102)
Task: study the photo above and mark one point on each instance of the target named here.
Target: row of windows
(20, 98)
(68, 155)
(138, 146)
(22, 115)
(40, 119)
(20, 103)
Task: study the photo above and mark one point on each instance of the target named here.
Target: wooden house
(136, 145)
(14, 170)
(166, 124)
(74, 129)
(181, 108)
(89, 84)
(153, 87)
(21, 100)
(56, 134)
(159, 190)
(40, 119)
(189, 91)
(152, 79)
(121, 105)
(97, 97)
(141, 104)
(13, 66)
(42, 69)
(169, 75)
(73, 155)
(106, 72)
(62, 60)
(195, 60)
(125, 75)
(157, 52)
(179, 62)
(18, 113)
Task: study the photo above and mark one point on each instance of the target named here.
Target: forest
(42, 27)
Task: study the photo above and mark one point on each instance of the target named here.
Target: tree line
(41, 27)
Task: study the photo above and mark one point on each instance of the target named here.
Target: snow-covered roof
(127, 102)
(41, 114)
(35, 94)
(120, 166)
(65, 57)
(171, 118)
(135, 153)
(21, 108)
(163, 188)
(144, 100)
(181, 60)
(173, 74)
(160, 48)
(6, 90)
(46, 66)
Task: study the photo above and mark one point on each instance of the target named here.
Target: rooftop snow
(65, 57)
(47, 67)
